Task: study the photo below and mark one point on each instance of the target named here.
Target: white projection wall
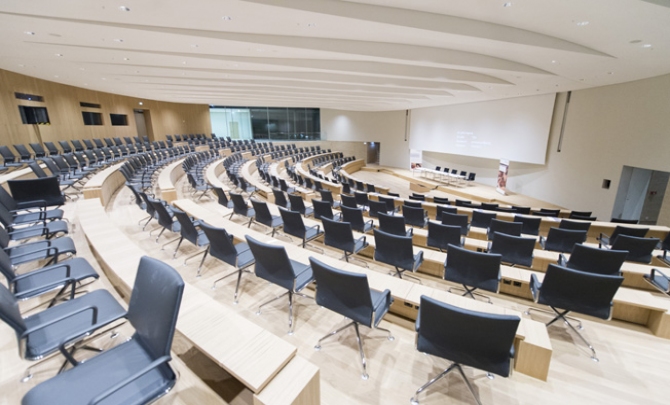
(516, 129)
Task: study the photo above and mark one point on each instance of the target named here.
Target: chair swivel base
(290, 306)
(400, 272)
(470, 292)
(237, 286)
(364, 375)
(563, 316)
(415, 400)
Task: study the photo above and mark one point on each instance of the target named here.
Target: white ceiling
(354, 55)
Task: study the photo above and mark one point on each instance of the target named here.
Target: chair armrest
(535, 286)
(43, 270)
(64, 281)
(48, 248)
(603, 239)
(41, 204)
(318, 228)
(411, 231)
(542, 241)
(94, 319)
(22, 230)
(109, 391)
(363, 239)
(562, 261)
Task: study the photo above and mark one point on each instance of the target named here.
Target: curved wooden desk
(104, 184)
(167, 180)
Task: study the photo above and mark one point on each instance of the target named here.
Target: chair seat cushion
(64, 245)
(35, 216)
(47, 340)
(79, 385)
(303, 275)
(80, 269)
(32, 231)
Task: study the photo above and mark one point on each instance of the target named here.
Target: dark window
(29, 97)
(92, 118)
(34, 115)
(89, 105)
(118, 119)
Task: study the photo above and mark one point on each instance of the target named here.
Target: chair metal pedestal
(415, 401)
(290, 306)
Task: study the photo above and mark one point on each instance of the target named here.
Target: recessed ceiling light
(508, 4)
(647, 46)
(141, 103)
(582, 23)
(30, 33)
(635, 41)
(226, 18)
(126, 58)
(554, 62)
(124, 8)
(610, 73)
(59, 54)
(311, 24)
(118, 40)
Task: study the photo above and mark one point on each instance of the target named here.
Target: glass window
(266, 123)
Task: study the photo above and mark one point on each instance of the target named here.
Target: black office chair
(240, 207)
(348, 201)
(390, 203)
(327, 195)
(457, 220)
(135, 371)
(221, 247)
(594, 260)
(280, 198)
(664, 246)
(274, 265)
(263, 216)
(439, 209)
(574, 225)
(639, 249)
(625, 221)
(165, 220)
(562, 240)
(298, 204)
(294, 226)
(442, 236)
(531, 225)
(468, 338)
(490, 206)
(506, 227)
(341, 236)
(605, 240)
(548, 212)
(349, 295)
(414, 216)
(460, 203)
(441, 200)
(514, 249)
(222, 198)
(579, 214)
(376, 207)
(473, 270)
(361, 199)
(412, 204)
(245, 187)
(50, 249)
(575, 291)
(394, 224)
(397, 251)
(190, 232)
(521, 210)
(323, 209)
(355, 217)
(481, 219)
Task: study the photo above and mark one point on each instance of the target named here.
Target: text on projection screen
(516, 129)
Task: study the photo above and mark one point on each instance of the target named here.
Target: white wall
(606, 128)
(387, 128)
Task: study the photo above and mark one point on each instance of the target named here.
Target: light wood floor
(633, 368)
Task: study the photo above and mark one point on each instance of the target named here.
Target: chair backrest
(354, 216)
(394, 250)
(474, 269)
(154, 305)
(521, 210)
(38, 149)
(377, 207)
(361, 198)
(280, 198)
(579, 291)
(476, 339)
(490, 206)
(575, 214)
(7, 154)
(530, 225)
(639, 249)
(456, 220)
(272, 263)
(221, 195)
(239, 205)
(563, 240)
(343, 292)
(506, 227)
(441, 236)
(221, 243)
(23, 151)
(439, 209)
(6, 266)
(338, 235)
(413, 204)
(441, 200)
(550, 212)
(45, 189)
(53, 150)
(262, 212)
(322, 209)
(7, 200)
(414, 216)
(297, 203)
(574, 225)
(65, 146)
(459, 203)
(594, 260)
(293, 223)
(6, 217)
(481, 219)
(390, 202)
(625, 221)
(9, 311)
(514, 249)
(327, 195)
(164, 217)
(188, 230)
(393, 224)
(627, 230)
(348, 201)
